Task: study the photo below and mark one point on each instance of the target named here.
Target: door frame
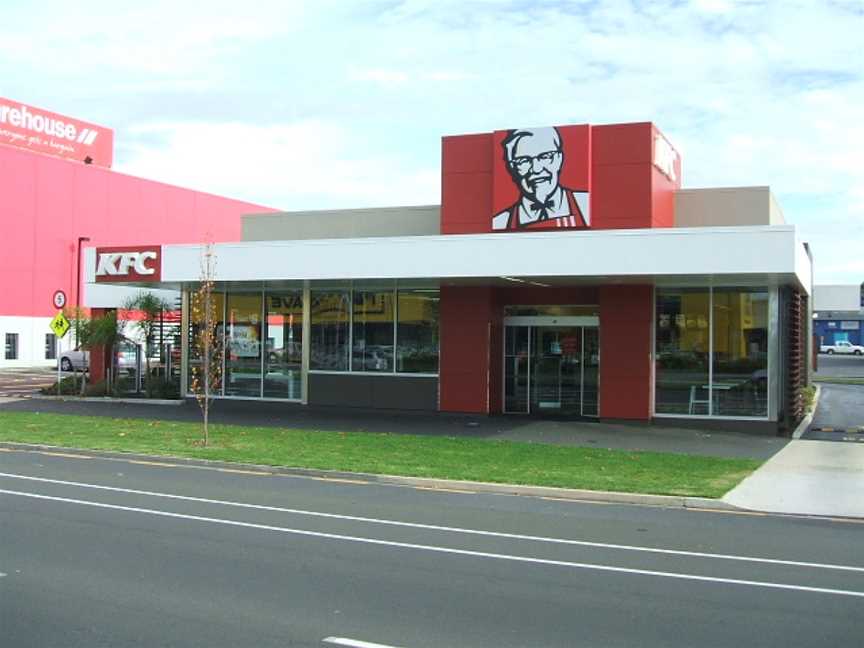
(551, 321)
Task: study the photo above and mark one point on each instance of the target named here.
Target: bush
(808, 395)
(161, 387)
(69, 386)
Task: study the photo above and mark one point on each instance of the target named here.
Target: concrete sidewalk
(807, 478)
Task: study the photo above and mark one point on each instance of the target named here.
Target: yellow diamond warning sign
(60, 325)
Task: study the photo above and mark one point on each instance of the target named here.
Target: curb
(108, 399)
(807, 420)
(571, 494)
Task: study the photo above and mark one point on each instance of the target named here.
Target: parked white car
(843, 346)
(75, 360)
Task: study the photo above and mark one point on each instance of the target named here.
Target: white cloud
(290, 166)
(378, 74)
(750, 92)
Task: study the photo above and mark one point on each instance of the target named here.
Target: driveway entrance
(839, 415)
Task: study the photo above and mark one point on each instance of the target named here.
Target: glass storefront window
(329, 314)
(372, 331)
(284, 345)
(740, 353)
(195, 325)
(712, 352)
(417, 331)
(683, 345)
(243, 345)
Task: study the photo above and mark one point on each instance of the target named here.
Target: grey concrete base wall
(764, 428)
(343, 223)
(380, 392)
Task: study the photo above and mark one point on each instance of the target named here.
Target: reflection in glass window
(243, 345)
(50, 346)
(195, 327)
(682, 352)
(740, 352)
(284, 347)
(372, 333)
(329, 314)
(417, 331)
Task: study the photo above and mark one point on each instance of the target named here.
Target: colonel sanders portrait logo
(534, 159)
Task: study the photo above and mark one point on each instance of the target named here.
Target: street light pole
(81, 239)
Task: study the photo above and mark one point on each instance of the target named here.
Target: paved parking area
(26, 381)
(840, 366)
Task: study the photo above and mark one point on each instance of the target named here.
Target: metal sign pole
(57, 342)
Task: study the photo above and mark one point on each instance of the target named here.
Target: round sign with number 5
(59, 299)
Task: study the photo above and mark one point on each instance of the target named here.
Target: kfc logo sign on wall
(541, 178)
(47, 132)
(129, 264)
(665, 157)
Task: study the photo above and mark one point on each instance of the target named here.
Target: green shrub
(69, 386)
(808, 394)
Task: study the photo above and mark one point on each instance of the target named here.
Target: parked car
(843, 346)
(74, 360)
(124, 354)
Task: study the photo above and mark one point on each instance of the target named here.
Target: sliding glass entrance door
(551, 366)
(556, 362)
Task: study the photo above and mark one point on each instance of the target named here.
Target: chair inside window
(696, 399)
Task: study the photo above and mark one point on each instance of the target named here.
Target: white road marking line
(449, 529)
(354, 643)
(447, 550)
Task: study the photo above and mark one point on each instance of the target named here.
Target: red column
(625, 352)
(99, 360)
(466, 319)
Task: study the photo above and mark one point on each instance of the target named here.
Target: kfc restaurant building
(565, 273)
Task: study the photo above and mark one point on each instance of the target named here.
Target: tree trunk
(206, 404)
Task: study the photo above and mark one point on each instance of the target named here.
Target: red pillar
(625, 352)
(466, 321)
(99, 360)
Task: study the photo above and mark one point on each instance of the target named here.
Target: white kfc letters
(120, 263)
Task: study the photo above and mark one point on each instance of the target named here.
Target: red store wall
(471, 372)
(46, 203)
(627, 191)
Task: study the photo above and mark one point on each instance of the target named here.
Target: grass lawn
(392, 454)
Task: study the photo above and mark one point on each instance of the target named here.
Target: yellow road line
(337, 479)
(243, 472)
(65, 454)
(445, 490)
(154, 463)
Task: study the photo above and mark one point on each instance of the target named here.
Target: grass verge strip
(393, 454)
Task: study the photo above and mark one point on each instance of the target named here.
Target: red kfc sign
(541, 178)
(47, 132)
(129, 264)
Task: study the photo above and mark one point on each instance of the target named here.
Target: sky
(342, 103)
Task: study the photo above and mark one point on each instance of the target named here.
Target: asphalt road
(840, 366)
(95, 553)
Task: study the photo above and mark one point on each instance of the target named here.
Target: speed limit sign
(59, 299)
